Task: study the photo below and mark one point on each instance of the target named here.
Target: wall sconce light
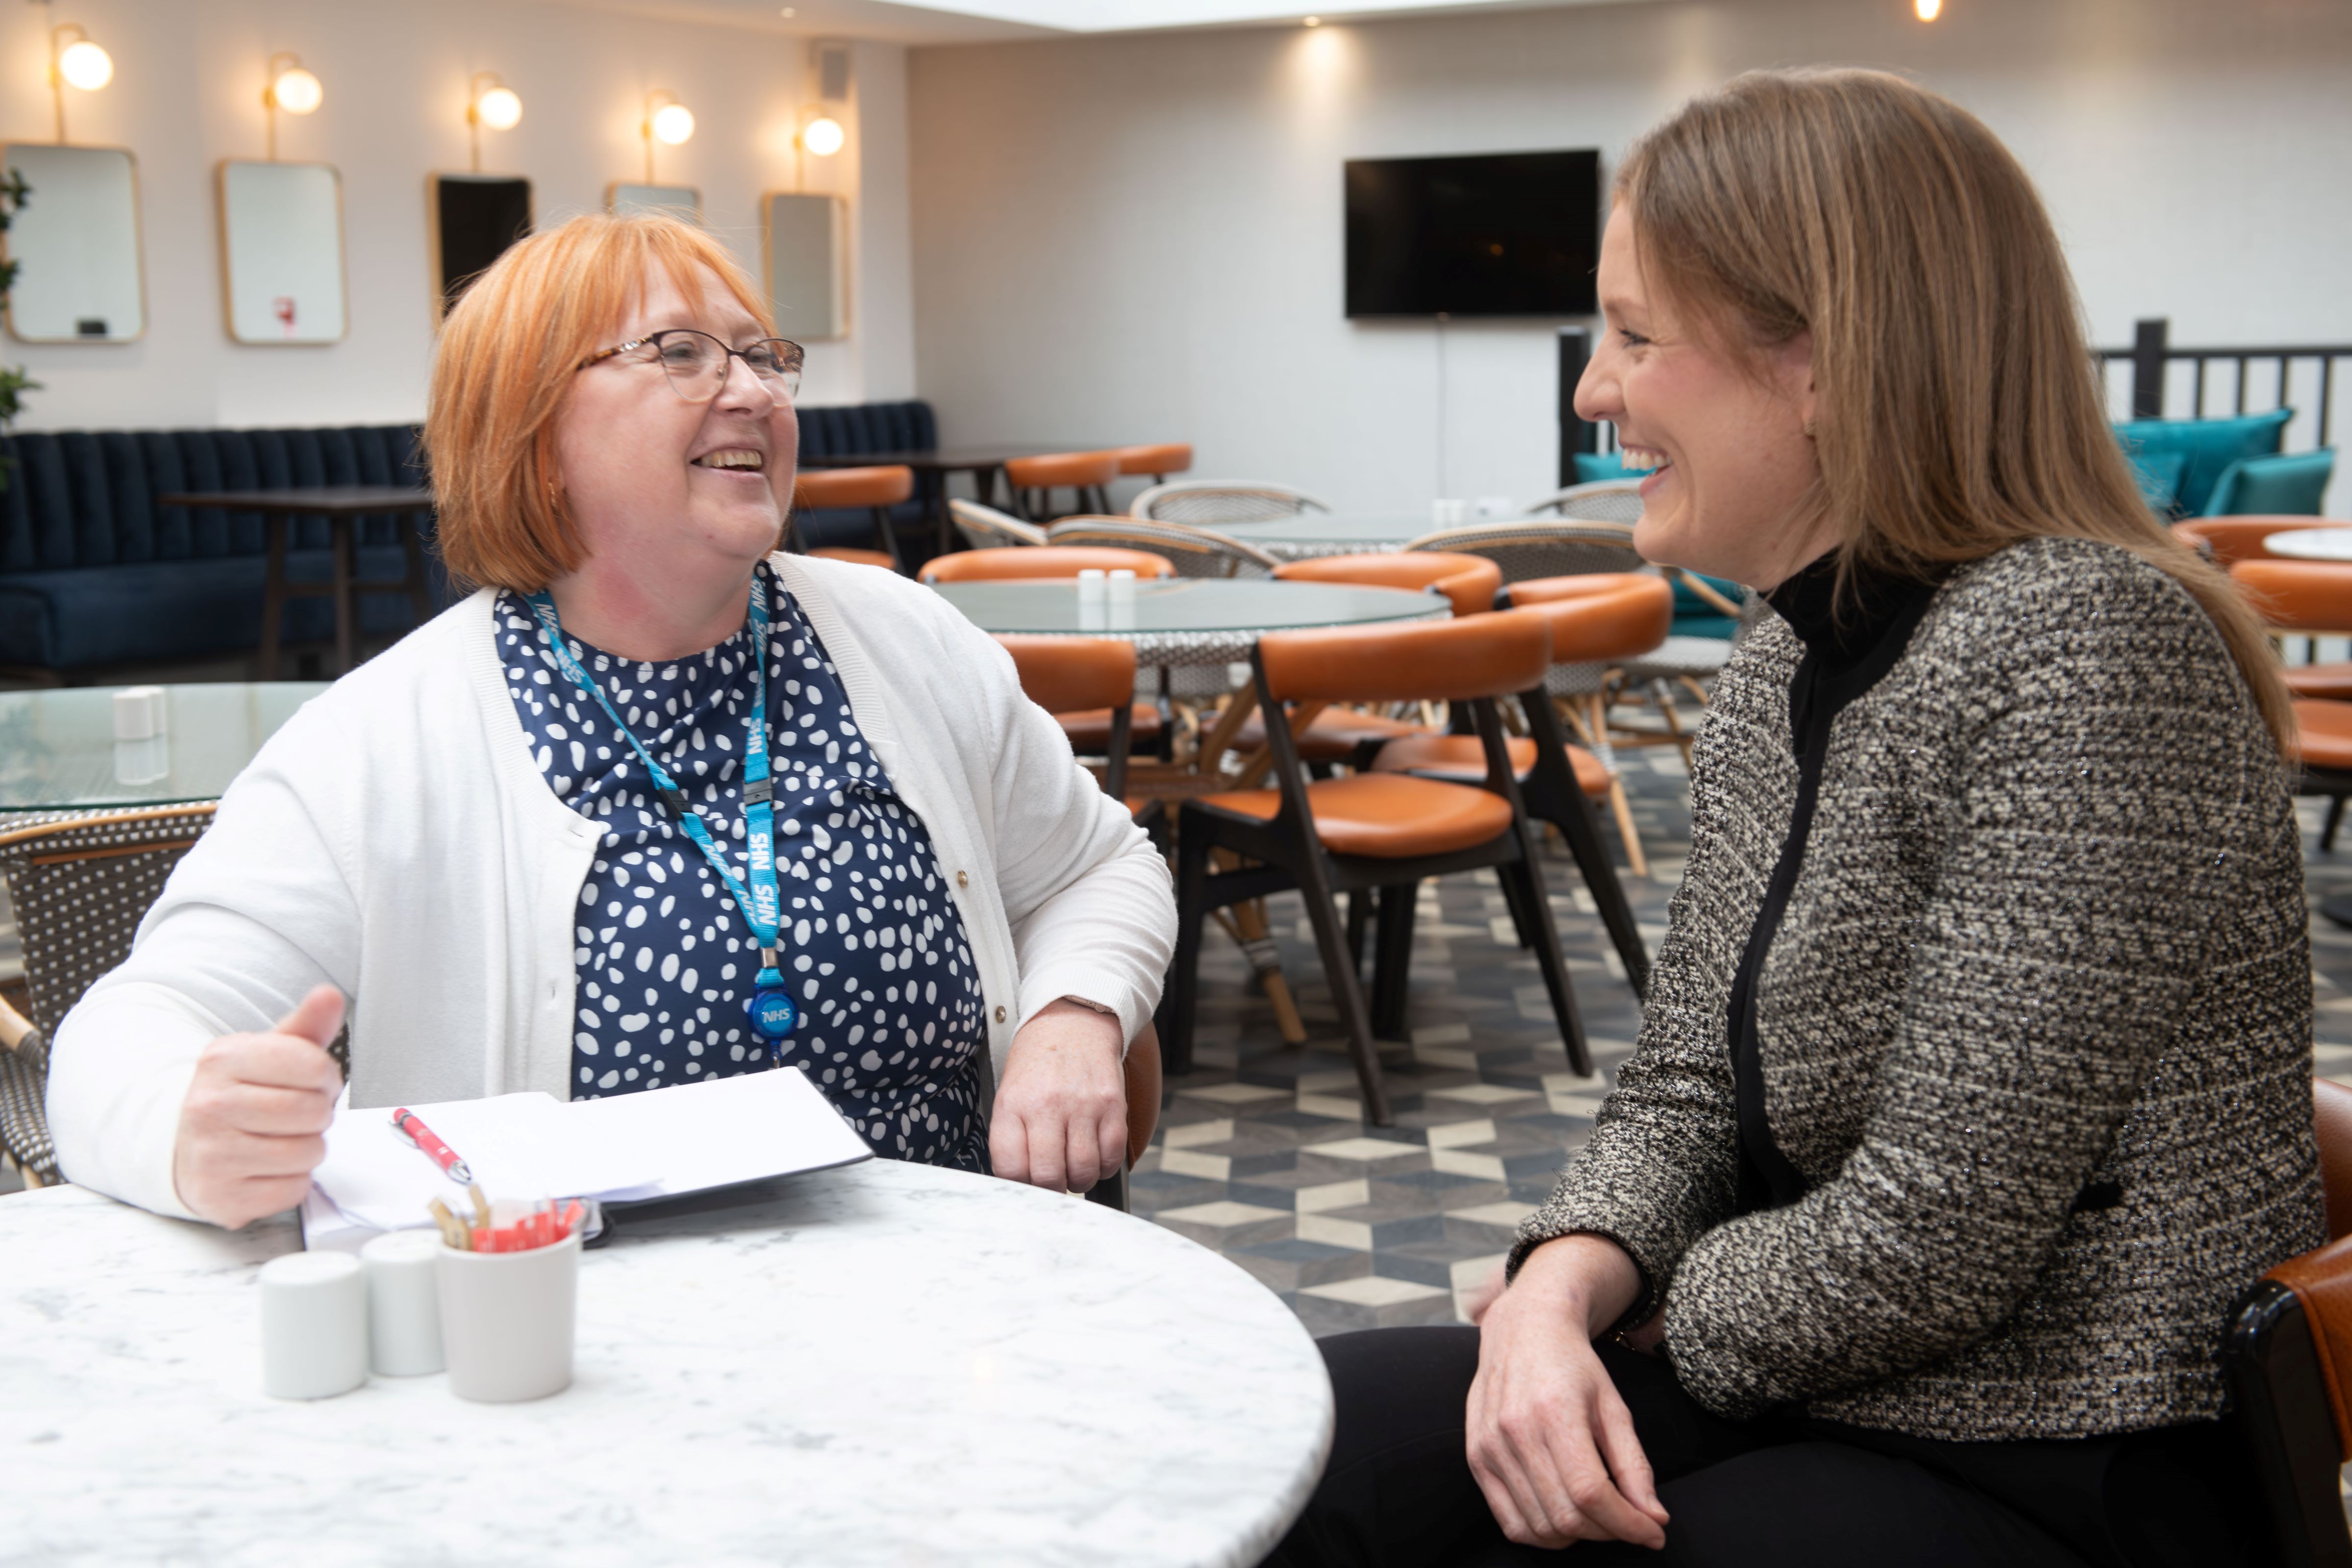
(291, 89)
(824, 136)
(668, 121)
(492, 102)
(1929, 10)
(81, 63)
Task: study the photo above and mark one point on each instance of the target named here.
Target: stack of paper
(657, 1143)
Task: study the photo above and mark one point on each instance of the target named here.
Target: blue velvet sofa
(870, 427)
(93, 572)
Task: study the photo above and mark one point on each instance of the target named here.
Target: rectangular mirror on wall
(282, 243)
(76, 244)
(474, 219)
(806, 242)
(678, 201)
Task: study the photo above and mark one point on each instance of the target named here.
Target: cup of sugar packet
(509, 1303)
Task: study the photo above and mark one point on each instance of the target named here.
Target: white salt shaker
(1092, 588)
(141, 713)
(314, 1325)
(1121, 594)
(404, 1303)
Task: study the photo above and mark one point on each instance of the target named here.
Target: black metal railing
(2246, 380)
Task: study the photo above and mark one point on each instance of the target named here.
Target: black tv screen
(1502, 234)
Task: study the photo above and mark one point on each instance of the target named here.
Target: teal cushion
(2160, 475)
(1592, 467)
(2209, 445)
(2273, 486)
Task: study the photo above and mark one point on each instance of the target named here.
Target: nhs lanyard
(770, 1008)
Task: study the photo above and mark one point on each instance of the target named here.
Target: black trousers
(1398, 1491)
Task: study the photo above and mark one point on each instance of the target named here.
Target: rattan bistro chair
(80, 886)
(1193, 552)
(878, 490)
(1204, 503)
(985, 528)
(1540, 548)
(1388, 832)
(1606, 500)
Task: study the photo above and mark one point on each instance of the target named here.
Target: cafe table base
(892, 1363)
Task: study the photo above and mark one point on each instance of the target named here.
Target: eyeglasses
(696, 362)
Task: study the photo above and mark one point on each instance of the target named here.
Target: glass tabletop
(2312, 543)
(57, 749)
(1186, 605)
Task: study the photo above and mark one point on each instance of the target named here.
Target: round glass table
(57, 749)
(2312, 543)
(1181, 621)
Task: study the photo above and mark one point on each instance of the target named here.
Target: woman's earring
(1808, 430)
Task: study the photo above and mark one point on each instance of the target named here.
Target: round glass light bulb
(673, 123)
(297, 91)
(499, 109)
(1929, 9)
(85, 66)
(823, 136)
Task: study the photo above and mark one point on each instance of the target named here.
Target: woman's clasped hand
(1550, 1440)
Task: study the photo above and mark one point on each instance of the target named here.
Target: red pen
(411, 1126)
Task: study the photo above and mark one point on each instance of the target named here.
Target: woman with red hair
(656, 804)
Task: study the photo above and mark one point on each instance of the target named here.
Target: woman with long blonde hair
(1974, 1083)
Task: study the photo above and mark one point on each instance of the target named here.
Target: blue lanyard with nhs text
(771, 1008)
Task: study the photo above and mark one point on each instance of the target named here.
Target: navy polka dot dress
(892, 1018)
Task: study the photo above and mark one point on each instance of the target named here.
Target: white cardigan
(397, 840)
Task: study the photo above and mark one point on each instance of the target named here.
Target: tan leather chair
(1041, 561)
(1601, 618)
(1384, 832)
(1035, 480)
(1159, 461)
(2310, 598)
(1087, 684)
(1467, 581)
(2288, 1354)
(878, 489)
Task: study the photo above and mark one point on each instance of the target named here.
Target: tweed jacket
(2048, 940)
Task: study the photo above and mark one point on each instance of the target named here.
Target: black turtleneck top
(1852, 640)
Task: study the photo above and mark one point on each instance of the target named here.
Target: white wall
(187, 94)
(1138, 238)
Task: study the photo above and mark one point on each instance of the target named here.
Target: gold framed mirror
(283, 278)
(82, 276)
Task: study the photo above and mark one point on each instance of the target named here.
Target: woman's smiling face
(1731, 469)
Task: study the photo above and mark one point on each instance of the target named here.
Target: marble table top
(890, 1364)
(2312, 543)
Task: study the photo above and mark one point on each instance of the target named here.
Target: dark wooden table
(342, 506)
(933, 466)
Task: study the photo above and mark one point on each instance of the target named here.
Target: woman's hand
(1550, 1440)
(250, 1129)
(1060, 1121)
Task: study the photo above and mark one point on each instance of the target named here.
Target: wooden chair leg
(1392, 961)
(1548, 958)
(2335, 819)
(889, 538)
(1184, 974)
(1635, 861)
(1315, 888)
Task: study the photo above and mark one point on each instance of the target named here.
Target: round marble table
(887, 1364)
(57, 749)
(2312, 543)
(1180, 621)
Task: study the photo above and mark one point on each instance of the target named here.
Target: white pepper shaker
(404, 1303)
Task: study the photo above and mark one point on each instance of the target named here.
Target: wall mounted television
(1501, 234)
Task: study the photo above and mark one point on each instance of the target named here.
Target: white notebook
(656, 1144)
